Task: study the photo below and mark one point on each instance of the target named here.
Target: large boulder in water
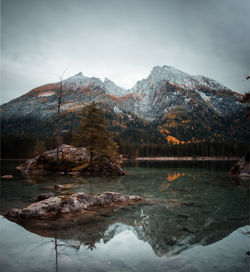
(242, 167)
(69, 205)
(72, 161)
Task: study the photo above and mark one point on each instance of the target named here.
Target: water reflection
(60, 246)
(118, 248)
(186, 206)
(168, 226)
(173, 176)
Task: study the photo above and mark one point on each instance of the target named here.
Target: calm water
(195, 218)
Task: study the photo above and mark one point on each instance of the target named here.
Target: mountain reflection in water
(119, 249)
(188, 211)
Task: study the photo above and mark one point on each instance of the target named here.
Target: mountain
(113, 89)
(167, 88)
(189, 108)
(79, 80)
(169, 105)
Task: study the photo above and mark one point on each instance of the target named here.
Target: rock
(59, 187)
(242, 167)
(44, 196)
(66, 192)
(50, 206)
(103, 166)
(7, 177)
(189, 229)
(72, 161)
(75, 203)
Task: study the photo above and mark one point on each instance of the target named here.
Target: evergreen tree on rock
(92, 134)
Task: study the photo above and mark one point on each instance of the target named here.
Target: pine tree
(92, 133)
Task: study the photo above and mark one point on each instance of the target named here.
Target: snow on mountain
(208, 82)
(176, 77)
(184, 105)
(158, 75)
(79, 80)
(45, 94)
(113, 89)
(167, 87)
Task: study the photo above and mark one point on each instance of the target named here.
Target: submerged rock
(75, 203)
(72, 161)
(60, 187)
(44, 196)
(242, 167)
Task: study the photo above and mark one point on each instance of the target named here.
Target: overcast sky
(122, 40)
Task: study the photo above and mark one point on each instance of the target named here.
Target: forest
(26, 146)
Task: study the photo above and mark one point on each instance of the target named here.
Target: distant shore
(221, 158)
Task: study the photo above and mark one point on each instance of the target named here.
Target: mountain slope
(166, 87)
(168, 104)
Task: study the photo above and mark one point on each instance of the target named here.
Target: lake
(195, 217)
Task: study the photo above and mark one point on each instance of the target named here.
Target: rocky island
(59, 206)
(72, 161)
(242, 167)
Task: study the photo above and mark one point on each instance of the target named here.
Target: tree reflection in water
(185, 206)
(168, 226)
(60, 244)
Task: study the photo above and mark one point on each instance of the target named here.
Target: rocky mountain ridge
(173, 100)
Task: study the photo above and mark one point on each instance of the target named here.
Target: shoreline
(221, 158)
(198, 158)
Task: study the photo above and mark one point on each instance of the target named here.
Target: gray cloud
(122, 40)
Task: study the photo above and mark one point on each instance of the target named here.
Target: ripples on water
(187, 221)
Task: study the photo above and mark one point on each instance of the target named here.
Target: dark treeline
(229, 149)
(26, 146)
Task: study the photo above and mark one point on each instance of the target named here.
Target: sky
(122, 40)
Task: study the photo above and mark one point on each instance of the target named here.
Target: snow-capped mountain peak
(166, 87)
(113, 89)
(79, 80)
(177, 77)
(158, 74)
(183, 104)
(76, 77)
(172, 75)
(78, 74)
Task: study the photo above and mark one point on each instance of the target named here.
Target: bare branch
(59, 103)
